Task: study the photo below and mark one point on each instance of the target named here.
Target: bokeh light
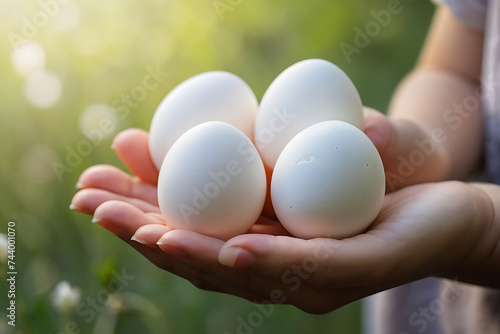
(43, 89)
(68, 17)
(36, 164)
(27, 57)
(87, 44)
(98, 121)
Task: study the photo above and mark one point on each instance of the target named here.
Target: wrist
(481, 266)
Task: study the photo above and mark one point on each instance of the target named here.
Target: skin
(453, 225)
(433, 99)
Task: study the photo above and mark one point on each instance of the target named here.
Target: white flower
(3, 248)
(115, 304)
(65, 298)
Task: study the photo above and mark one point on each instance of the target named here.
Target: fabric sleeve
(469, 12)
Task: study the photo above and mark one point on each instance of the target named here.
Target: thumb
(408, 152)
(391, 136)
(378, 128)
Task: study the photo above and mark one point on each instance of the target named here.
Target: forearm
(447, 109)
(482, 265)
(442, 94)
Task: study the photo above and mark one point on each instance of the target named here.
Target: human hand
(416, 235)
(410, 153)
(122, 203)
(422, 230)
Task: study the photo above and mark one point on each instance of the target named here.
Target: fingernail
(138, 240)
(73, 207)
(79, 185)
(380, 135)
(95, 220)
(236, 257)
(378, 138)
(176, 252)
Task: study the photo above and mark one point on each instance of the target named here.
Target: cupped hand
(122, 203)
(422, 230)
(410, 153)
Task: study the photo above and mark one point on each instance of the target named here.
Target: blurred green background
(80, 59)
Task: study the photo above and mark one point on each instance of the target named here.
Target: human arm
(434, 128)
(446, 229)
(483, 264)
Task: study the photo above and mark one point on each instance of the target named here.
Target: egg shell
(212, 181)
(308, 92)
(328, 182)
(210, 96)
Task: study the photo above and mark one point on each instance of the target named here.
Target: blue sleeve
(469, 12)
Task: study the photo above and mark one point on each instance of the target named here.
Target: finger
(121, 218)
(239, 283)
(157, 216)
(117, 181)
(132, 148)
(172, 265)
(324, 262)
(87, 200)
(202, 252)
(204, 275)
(150, 234)
(377, 128)
(409, 154)
(391, 136)
(293, 283)
(203, 248)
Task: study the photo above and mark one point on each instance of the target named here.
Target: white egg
(306, 93)
(328, 182)
(210, 96)
(212, 181)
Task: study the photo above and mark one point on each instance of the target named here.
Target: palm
(410, 239)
